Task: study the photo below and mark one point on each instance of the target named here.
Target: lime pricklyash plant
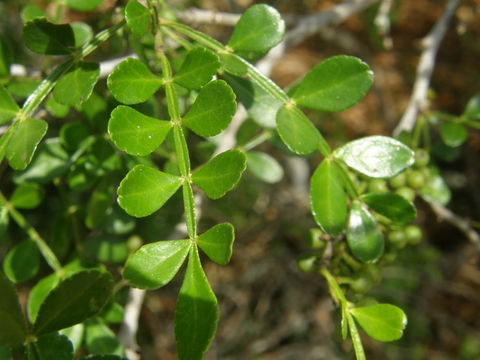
(198, 87)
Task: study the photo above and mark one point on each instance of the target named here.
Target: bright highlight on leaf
(392, 206)
(376, 156)
(335, 84)
(217, 243)
(212, 110)
(132, 82)
(154, 265)
(220, 174)
(144, 190)
(138, 17)
(196, 312)
(135, 133)
(8, 106)
(259, 29)
(77, 84)
(12, 331)
(364, 237)
(198, 68)
(43, 37)
(383, 322)
(327, 198)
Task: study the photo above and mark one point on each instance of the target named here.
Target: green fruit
(306, 263)
(397, 238)
(361, 285)
(407, 193)
(422, 158)
(314, 239)
(413, 234)
(377, 185)
(398, 181)
(416, 179)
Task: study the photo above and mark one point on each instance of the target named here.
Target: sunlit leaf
(198, 68)
(77, 84)
(217, 243)
(8, 106)
(138, 17)
(43, 37)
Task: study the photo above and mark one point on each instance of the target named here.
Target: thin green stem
(356, 340)
(263, 136)
(335, 290)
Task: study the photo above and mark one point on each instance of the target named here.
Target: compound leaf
(364, 237)
(77, 84)
(144, 190)
(383, 322)
(259, 29)
(376, 156)
(198, 68)
(8, 106)
(212, 110)
(13, 330)
(43, 37)
(220, 174)
(264, 166)
(392, 206)
(217, 243)
(132, 82)
(335, 84)
(154, 265)
(196, 314)
(138, 17)
(135, 133)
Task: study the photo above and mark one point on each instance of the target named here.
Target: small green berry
(398, 181)
(416, 179)
(422, 158)
(306, 263)
(377, 185)
(407, 193)
(413, 234)
(397, 238)
(314, 239)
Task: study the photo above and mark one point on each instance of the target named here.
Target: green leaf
(23, 142)
(30, 12)
(335, 84)
(4, 218)
(264, 166)
(100, 339)
(135, 133)
(73, 300)
(43, 37)
(217, 243)
(27, 196)
(196, 314)
(364, 237)
(453, 134)
(132, 82)
(138, 17)
(38, 294)
(233, 64)
(107, 248)
(77, 84)
(8, 106)
(154, 265)
(260, 105)
(75, 335)
(212, 110)
(376, 156)
(392, 206)
(383, 322)
(52, 346)
(296, 131)
(327, 198)
(22, 262)
(83, 5)
(12, 331)
(435, 190)
(103, 357)
(220, 174)
(82, 33)
(73, 134)
(55, 108)
(198, 68)
(144, 190)
(6, 56)
(259, 29)
(472, 110)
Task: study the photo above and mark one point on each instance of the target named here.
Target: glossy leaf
(132, 82)
(27, 196)
(23, 142)
(43, 37)
(472, 110)
(435, 190)
(327, 198)
(220, 174)
(376, 156)
(100, 339)
(135, 133)
(77, 84)
(217, 243)
(107, 248)
(392, 206)
(144, 190)
(12, 331)
(22, 262)
(73, 300)
(154, 265)
(259, 29)
(52, 346)
(453, 134)
(196, 312)
(260, 105)
(297, 131)
(8, 106)
(84, 5)
(383, 322)
(198, 68)
(364, 237)
(212, 110)
(264, 166)
(138, 17)
(335, 84)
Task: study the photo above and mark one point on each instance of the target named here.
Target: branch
(382, 21)
(199, 16)
(425, 68)
(128, 331)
